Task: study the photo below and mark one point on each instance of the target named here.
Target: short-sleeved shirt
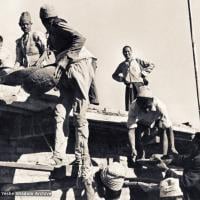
(138, 116)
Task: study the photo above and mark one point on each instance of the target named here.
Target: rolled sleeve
(165, 119)
(117, 75)
(147, 67)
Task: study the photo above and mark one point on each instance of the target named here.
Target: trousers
(131, 93)
(72, 98)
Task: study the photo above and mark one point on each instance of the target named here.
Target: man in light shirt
(5, 57)
(146, 113)
(132, 72)
(31, 46)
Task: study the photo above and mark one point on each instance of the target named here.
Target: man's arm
(41, 44)
(40, 41)
(131, 136)
(146, 67)
(72, 52)
(165, 119)
(78, 40)
(163, 166)
(19, 55)
(182, 161)
(117, 75)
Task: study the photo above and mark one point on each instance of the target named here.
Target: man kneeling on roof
(147, 112)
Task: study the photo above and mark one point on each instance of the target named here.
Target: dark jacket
(190, 181)
(63, 38)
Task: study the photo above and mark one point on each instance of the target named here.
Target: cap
(144, 91)
(47, 11)
(25, 17)
(170, 188)
(113, 176)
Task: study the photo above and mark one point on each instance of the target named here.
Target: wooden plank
(26, 166)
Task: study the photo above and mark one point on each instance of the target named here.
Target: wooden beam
(26, 166)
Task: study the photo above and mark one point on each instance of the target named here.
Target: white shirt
(137, 115)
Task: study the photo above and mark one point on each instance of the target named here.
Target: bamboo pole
(194, 55)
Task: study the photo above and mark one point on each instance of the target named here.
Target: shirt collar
(131, 59)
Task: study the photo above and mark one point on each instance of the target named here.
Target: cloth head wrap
(25, 18)
(47, 11)
(170, 188)
(113, 176)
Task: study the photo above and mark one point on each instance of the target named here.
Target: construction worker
(145, 113)
(132, 72)
(107, 182)
(189, 181)
(170, 189)
(31, 47)
(74, 68)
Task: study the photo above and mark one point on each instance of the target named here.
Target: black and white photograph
(100, 99)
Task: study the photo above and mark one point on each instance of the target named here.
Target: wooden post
(194, 55)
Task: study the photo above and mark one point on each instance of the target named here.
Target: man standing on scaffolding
(132, 72)
(74, 68)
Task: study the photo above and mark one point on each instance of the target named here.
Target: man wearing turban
(31, 47)
(109, 181)
(75, 68)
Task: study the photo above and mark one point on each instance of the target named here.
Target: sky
(157, 30)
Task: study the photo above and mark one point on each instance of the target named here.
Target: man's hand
(125, 81)
(133, 155)
(161, 164)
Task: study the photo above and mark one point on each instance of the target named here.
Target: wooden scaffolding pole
(194, 55)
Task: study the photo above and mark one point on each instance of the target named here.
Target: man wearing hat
(76, 70)
(190, 180)
(170, 189)
(109, 181)
(31, 47)
(132, 72)
(145, 115)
